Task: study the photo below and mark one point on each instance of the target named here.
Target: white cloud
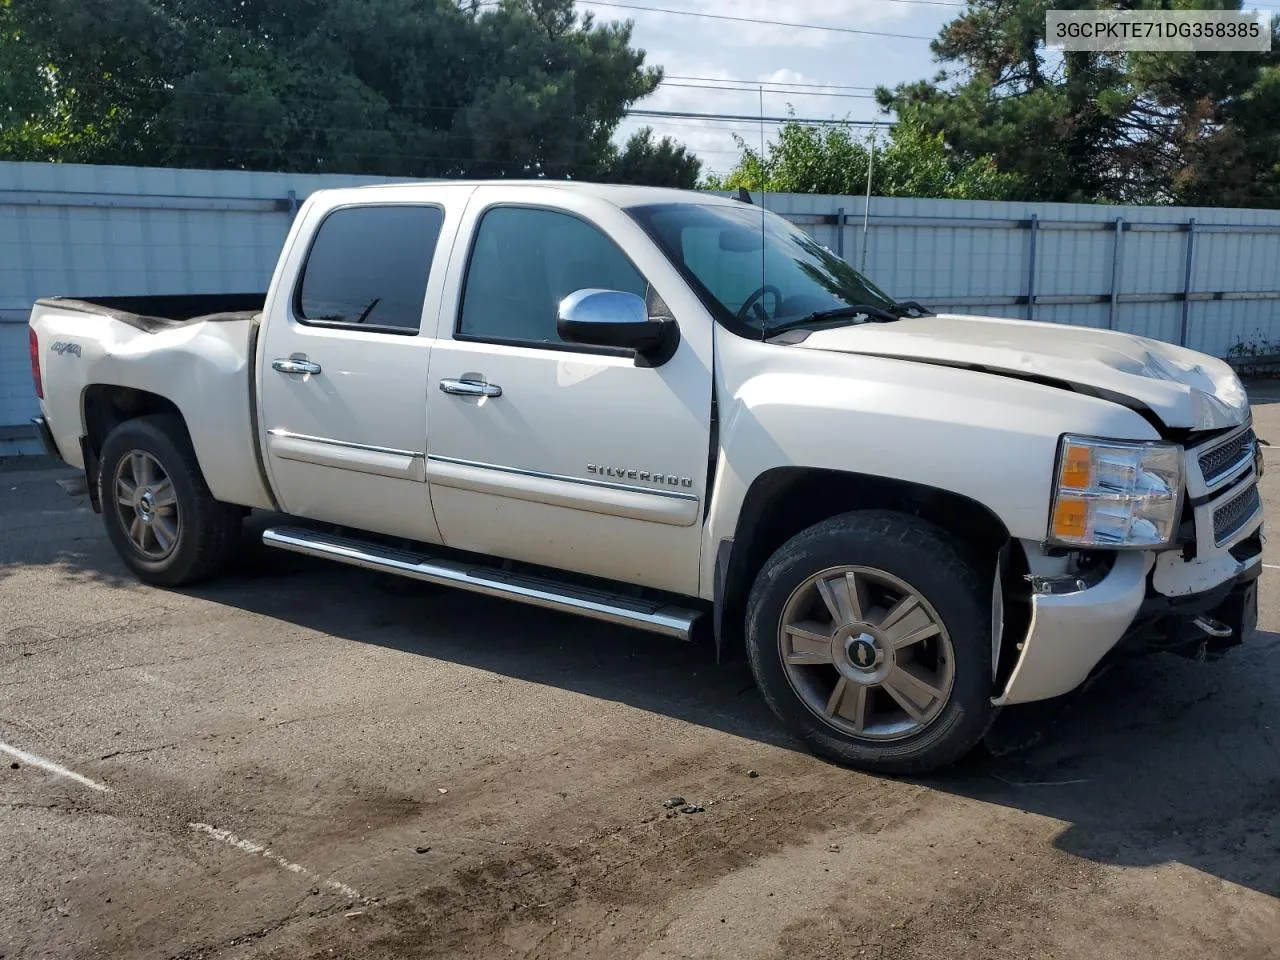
(752, 53)
(786, 75)
(770, 23)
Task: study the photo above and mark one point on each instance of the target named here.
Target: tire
(189, 535)
(837, 682)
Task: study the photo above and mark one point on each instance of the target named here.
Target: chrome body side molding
(656, 505)
(345, 455)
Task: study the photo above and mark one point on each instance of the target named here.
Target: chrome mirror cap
(612, 318)
(592, 306)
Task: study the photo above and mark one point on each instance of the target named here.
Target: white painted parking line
(258, 849)
(50, 767)
(1272, 566)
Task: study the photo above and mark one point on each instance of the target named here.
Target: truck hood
(1183, 388)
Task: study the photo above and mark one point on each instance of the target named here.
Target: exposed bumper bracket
(45, 435)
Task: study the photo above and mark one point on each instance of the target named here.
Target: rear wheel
(869, 635)
(157, 508)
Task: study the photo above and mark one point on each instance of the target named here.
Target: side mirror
(611, 318)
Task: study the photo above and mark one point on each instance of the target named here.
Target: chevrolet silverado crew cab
(669, 411)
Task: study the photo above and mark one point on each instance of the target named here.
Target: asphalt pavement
(306, 760)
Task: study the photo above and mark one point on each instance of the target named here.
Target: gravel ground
(309, 761)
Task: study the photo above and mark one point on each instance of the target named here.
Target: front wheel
(158, 511)
(869, 635)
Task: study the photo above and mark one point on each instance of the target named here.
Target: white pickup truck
(664, 409)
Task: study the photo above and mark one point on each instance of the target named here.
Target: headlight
(1115, 493)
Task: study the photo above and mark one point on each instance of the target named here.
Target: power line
(782, 93)
(527, 166)
(767, 83)
(733, 86)
(757, 20)
(743, 117)
(921, 3)
(463, 135)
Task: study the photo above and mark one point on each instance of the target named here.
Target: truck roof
(621, 195)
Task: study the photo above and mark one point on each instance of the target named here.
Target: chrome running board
(596, 604)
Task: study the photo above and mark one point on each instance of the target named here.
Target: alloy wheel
(866, 653)
(147, 505)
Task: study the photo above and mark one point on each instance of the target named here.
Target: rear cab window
(368, 267)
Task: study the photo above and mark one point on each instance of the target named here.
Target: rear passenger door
(557, 453)
(342, 371)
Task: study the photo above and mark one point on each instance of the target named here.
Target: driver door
(567, 455)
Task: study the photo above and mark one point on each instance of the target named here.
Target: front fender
(989, 438)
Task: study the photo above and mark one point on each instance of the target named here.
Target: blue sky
(688, 47)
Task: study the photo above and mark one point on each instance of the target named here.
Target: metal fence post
(1031, 267)
(293, 205)
(1116, 251)
(1186, 281)
(840, 232)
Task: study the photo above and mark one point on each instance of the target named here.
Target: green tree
(1085, 127)
(657, 163)
(908, 162)
(396, 87)
(35, 115)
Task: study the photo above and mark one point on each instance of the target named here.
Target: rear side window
(368, 268)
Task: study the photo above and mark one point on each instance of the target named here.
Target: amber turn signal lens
(1077, 468)
(1071, 519)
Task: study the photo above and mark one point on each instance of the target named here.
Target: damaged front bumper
(1072, 631)
(1200, 597)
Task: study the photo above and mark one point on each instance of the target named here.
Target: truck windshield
(758, 273)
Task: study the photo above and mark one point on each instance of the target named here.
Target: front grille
(1221, 460)
(1234, 514)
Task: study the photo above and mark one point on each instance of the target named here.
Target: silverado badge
(647, 476)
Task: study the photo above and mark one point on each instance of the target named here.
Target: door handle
(294, 365)
(471, 388)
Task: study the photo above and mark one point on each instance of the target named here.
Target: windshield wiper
(870, 311)
(910, 308)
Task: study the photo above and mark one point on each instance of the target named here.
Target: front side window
(368, 268)
(756, 271)
(524, 261)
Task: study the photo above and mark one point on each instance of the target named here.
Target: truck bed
(102, 358)
(156, 313)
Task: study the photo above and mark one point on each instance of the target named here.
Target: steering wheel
(754, 303)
